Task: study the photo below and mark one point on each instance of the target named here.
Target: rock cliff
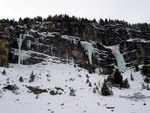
(85, 42)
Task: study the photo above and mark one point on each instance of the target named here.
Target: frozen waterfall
(89, 49)
(119, 58)
(20, 40)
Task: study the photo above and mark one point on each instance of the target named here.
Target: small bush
(110, 79)
(136, 68)
(145, 70)
(143, 86)
(4, 72)
(147, 87)
(125, 84)
(32, 77)
(21, 79)
(147, 79)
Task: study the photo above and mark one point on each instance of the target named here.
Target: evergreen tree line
(139, 30)
(66, 18)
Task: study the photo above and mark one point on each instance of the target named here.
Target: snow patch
(73, 39)
(53, 74)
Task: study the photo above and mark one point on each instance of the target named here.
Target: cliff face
(70, 39)
(4, 52)
(4, 44)
(135, 52)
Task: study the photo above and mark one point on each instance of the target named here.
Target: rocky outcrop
(4, 52)
(4, 44)
(135, 52)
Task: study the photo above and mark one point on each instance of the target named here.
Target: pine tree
(147, 87)
(105, 90)
(87, 76)
(101, 22)
(125, 84)
(136, 68)
(144, 70)
(87, 81)
(21, 79)
(96, 87)
(94, 90)
(20, 21)
(90, 85)
(131, 76)
(4, 72)
(146, 61)
(117, 77)
(32, 76)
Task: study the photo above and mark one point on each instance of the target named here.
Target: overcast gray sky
(132, 11)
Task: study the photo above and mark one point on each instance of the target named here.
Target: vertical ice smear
(89, 49)
(29, 44)
(20, 40)
(23, 56)
(119, 58)
(19, 45)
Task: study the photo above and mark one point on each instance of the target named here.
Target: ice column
(119, 58)
(89, 48)
(20, 40)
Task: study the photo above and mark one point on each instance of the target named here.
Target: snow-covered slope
(74, 93)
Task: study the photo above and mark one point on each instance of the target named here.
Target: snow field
(51, 74)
